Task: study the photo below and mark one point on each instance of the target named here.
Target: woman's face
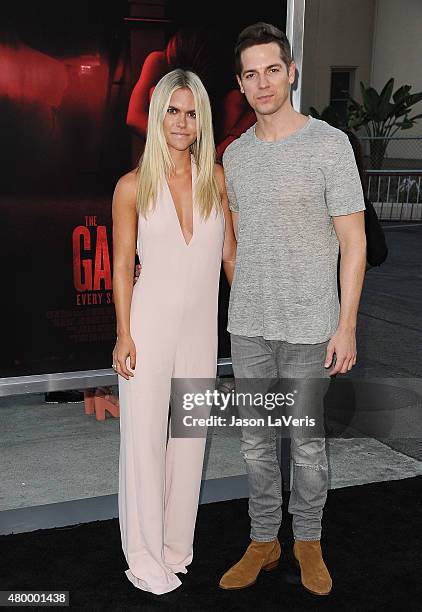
(180, 120)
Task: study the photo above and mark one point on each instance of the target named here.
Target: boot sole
(266, 568)
(306, 588)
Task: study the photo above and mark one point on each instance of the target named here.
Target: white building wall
(338, 33)
(397, 49)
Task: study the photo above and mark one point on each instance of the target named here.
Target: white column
(295, 28)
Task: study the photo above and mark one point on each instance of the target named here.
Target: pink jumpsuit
(173, 322)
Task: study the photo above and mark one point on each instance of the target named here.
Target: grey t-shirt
(286, 193)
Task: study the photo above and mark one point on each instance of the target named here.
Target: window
(342, 81)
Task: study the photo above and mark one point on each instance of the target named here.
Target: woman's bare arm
(124, 246)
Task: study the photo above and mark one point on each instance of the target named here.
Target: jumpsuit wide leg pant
(173, 323)
(159, 486)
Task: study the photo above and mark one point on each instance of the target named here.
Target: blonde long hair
(156, 163)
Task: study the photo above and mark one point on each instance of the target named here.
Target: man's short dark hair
(260, 34)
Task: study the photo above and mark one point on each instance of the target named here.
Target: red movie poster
(92, 281)
(74, 96)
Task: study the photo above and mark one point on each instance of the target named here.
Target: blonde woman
(174, 208)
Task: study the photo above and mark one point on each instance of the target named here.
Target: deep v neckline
(173, 205)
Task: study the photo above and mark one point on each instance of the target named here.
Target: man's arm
(350, 230)
(229, 246)
(235, 220)
(231, 195)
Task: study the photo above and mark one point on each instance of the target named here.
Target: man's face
(265, 78)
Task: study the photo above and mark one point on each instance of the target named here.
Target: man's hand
(138, 268)
(343, 345)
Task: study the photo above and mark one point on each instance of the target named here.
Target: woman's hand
(124, 348)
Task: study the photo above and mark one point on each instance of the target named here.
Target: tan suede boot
(314, 573)
(258, 556)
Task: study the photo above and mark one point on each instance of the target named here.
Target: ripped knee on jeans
(314, 466)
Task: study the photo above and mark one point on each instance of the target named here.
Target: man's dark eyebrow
(266, 68)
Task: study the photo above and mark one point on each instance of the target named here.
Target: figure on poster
(174, 208)
(295, 195)
(33, 87)
(195, 50)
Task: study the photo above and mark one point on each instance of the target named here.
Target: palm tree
(382, 117)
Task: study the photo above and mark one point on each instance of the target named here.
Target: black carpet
(372, 546)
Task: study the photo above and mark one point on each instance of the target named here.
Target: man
(295, 196)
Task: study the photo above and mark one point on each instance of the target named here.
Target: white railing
(396, 194)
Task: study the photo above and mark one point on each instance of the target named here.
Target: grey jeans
(257, 358)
